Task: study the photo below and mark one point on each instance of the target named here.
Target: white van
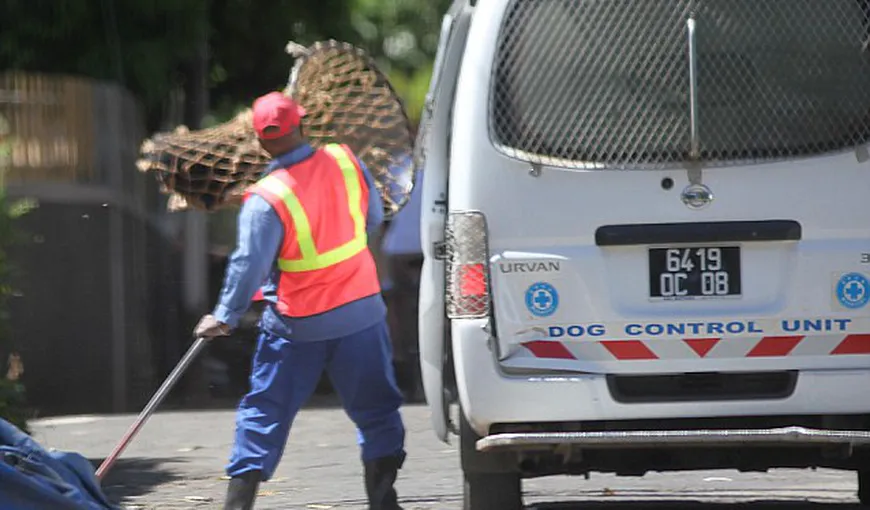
(647, 238)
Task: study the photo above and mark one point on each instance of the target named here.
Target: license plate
(694, 273)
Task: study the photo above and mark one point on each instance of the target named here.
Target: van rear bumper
(490, 396)
(792, 436)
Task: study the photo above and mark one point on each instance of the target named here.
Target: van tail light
(472, 289)
(468, 291)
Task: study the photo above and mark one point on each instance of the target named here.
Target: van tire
(864, 486)
(492, 480)
(476, 462)
(492, 492)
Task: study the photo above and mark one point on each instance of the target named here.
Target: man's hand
(209, 327)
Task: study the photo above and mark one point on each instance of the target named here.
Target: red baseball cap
(276, 110)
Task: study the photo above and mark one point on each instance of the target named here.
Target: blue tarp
(32, 478)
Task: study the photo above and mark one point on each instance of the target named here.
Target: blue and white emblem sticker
(853, 290)
(542, 299)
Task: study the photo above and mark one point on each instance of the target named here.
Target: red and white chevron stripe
(694, 348)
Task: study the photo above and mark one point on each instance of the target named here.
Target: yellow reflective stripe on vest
(354, 192)
(300, 220)
(311, 260)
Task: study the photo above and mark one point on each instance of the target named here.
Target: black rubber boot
(242, 491)
(380, 476)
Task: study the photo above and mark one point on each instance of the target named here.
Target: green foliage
(149, 45)
(412, 88)
(247, 42)
(141, 45)
(403, 36)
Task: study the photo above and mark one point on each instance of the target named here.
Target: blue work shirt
(260, 235)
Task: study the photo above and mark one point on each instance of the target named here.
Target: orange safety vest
(324, 261)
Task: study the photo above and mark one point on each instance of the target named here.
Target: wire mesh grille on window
(467, 266)
(347, 99)
(592, 84)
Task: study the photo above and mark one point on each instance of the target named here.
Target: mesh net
(589, 84)
(205, 169)
(348, 100)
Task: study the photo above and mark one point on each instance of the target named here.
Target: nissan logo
(697, 196)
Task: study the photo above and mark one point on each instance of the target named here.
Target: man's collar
(298, 154)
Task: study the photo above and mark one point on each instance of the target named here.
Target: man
(404, 260)
(303, 231)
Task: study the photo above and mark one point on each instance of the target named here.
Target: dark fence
(98, 319)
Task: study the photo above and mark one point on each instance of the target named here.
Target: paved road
(176, 463)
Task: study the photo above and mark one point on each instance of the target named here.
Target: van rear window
(607, 83)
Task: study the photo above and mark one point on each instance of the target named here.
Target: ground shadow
(138, 476)
(323, 400)
(695, 505)
(442, 501)
(184, 402)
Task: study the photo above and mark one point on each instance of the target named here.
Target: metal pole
(694, 150)
(152, 405)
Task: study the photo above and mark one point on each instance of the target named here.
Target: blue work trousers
(284, 375)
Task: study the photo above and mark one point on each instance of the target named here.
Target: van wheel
(491, 480)
(864, 486)
(502, 491)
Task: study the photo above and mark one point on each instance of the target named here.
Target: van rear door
(432, 155)
(673, 186)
